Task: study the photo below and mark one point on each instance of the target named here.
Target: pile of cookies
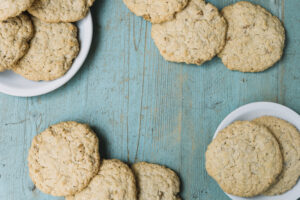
(64, 160)
(41, 46)
(245, 36)
(258, 157)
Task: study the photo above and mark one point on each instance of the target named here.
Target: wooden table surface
(142, 107)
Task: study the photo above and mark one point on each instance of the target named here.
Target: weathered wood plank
(289, 76)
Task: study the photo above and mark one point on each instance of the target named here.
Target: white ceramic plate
(252, 111)
(15, 85)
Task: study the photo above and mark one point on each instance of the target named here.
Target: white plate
(15, 85)
(252, 111)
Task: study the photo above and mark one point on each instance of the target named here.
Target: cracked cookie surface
(288, 138)
(52, 50)
(15, 34)
(60, 11)
(13, 8)
(115, 180)
(255, 38)
(244, 158)
(64, 158)
(194, 36)
(156, 182)
(156, 11)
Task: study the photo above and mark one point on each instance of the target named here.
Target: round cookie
(51, 52)
(64, 158)
(13, 8)
(60, 11)
(156, 182)
(14, 38)
(196, 34)
(156, 11)
(255, 38)
(244, 158)
(288, 138)
(114, 180)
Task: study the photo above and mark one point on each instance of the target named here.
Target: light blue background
(142, 107)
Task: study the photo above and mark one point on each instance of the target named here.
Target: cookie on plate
(255, 38)
(15, 35)
(114, 180)
(244, 159)
(12, 8)
(156, 182)
(60, 11)
(64, 158)
(288, 138)
(51, 52)
(156, 11)
(196, 34)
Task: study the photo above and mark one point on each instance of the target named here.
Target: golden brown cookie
(114, 180)
(288, 138)
(60, 11)
(255, 38)
(51, 53)
(64, 158)
(194, 36)
(15, 35)
(244, 159)
(156, 182)
(13, 8)
(156, 11)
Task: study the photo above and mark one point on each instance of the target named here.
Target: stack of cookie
(64, 160)
(253, 158)
(44, 45)
(245, 36)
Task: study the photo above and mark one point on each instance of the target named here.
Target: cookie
(64, 158)
(51, 52)
(15, 35)
(115, 180)
(13, 8)
(255, 38)
(156, 182)
(60, 11)
(156, 11)
(2, 69)
(196, 34)
(244, 159)
(288, 138)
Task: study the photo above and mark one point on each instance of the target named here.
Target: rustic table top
(142, 107)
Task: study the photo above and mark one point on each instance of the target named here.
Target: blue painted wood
(142, 107)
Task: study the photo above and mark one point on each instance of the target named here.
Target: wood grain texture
(142, 107)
